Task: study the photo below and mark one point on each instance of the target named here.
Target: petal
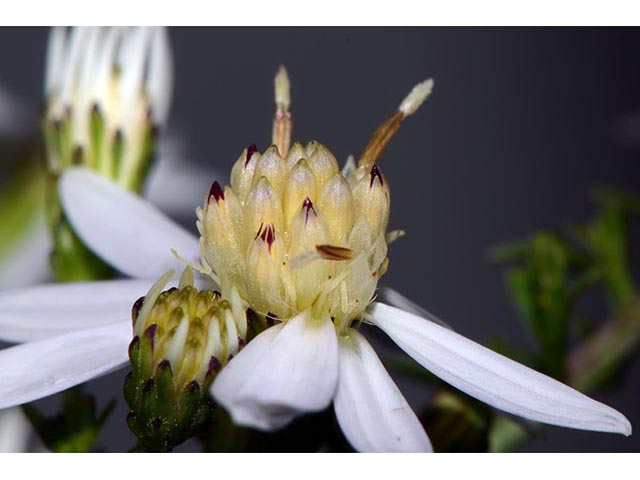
(493, 378)
(44, 311)
(39, 369)
(14, 431)
(123, 229)
(373, 414)
(55, 59)
(287, 370)
(396, 299)
(160, 76)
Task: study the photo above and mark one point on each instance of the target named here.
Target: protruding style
(282, 123)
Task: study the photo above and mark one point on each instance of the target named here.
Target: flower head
(107, 90)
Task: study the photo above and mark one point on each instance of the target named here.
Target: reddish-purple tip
(250, 151)
(217, 192)
(375, 172)
(267, 234)
(308, 206)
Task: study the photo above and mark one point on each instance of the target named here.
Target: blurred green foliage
(75, 429)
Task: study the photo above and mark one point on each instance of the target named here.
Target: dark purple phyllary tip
(217, 191)
(308, 206)
(375, 172)
(135, 310)
(214, 366)
(250, 151)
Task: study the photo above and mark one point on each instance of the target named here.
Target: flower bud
(243, 171)
(336, 207)
(272, 167)
(371, 199)
(182, 338)
(219, 224)
(296, 152)
(306, 233)
(301, 184)
(262, 207)
(263, 273)
(323, 164)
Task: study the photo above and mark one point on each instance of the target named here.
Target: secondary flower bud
(183, 337)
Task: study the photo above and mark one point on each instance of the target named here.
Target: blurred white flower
(91, 70)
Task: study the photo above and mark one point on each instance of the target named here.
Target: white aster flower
(257, 248)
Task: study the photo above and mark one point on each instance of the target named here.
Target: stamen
(387, 130)
(331, 252)
(282, 123)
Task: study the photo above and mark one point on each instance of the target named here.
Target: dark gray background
(521, 123)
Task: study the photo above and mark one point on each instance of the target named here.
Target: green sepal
(97, 138)
(162, 415)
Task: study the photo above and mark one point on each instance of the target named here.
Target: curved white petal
(493, 378)
(39, 369)
(373, 414)
(287, 370)
(396, 299)
(43, 311)
(14, 431)
(123, 229)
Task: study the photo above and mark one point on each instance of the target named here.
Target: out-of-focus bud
(107, 93)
